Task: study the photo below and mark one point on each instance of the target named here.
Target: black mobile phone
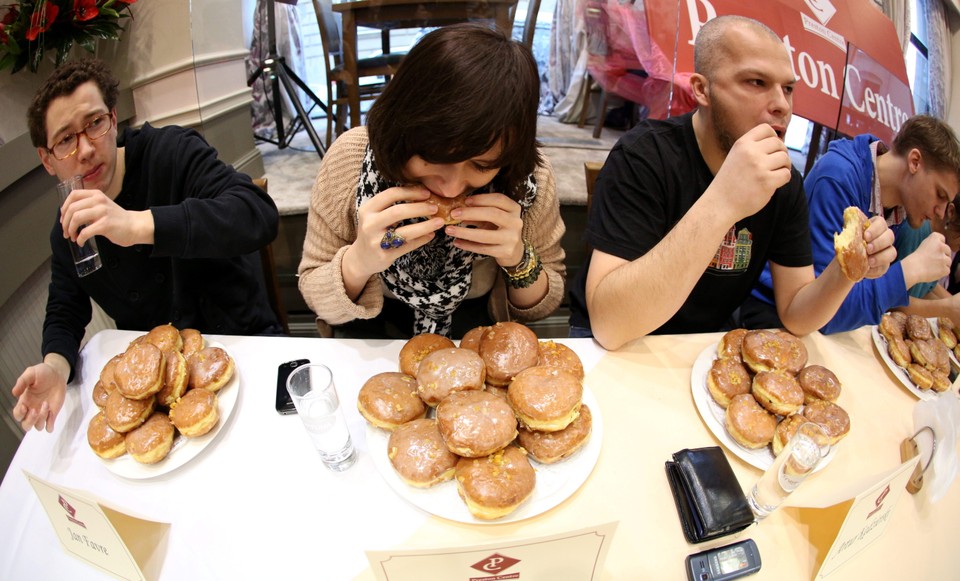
(284, 403)
(723, 563)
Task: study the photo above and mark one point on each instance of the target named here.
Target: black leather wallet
(709, 499)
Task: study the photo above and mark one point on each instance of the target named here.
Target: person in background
(910, 182)
(458, 118)
(177, 231)
(687, 211)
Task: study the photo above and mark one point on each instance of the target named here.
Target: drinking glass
(86, 257)
(798, 459)
(314, 395)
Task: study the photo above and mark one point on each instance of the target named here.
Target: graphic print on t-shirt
(733, 256)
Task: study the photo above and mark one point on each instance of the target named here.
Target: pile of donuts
(914, 346)
(500, 396)
(164, 384)
(762, 381)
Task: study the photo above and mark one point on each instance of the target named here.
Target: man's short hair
(64, 81)
(709, 49)
(935, 140)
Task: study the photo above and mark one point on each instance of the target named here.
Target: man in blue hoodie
(911, 181)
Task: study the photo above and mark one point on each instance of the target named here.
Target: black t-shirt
(651, 178)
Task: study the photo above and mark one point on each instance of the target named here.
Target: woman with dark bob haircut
(455, 126)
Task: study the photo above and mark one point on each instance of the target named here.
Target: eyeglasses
(95, 129)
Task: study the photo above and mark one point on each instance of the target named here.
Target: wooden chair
(384, 66)
(529, 23)
(270, 278)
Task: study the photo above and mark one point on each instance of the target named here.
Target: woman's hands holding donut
(490, 224)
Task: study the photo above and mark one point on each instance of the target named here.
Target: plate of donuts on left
(161, 402)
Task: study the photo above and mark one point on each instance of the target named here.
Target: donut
(100, 395)
(941, 381)
(174, 378)
(108, 374)
(771, 351)
(495, 485)
(550, 447)
(414, 350)
(832, 418)
(891, 327)
(496, 390)
(507, 348)
(471, 339)
(195, 413)
(152, 441)
(748, 423)
(778, 392)
(559, 355)
(818, 382)
(948, 335)
(726, 379)
(390, 399)
(124, 414)
(418, 454)
(104, 440)
(731, 344)
(786, 428)
(210, 368)
(446, 205)
(139, 373)
(920, 376)
(931, 353)
(165, 337)
(448, 370)
(899, 351)
(918, 328)
(849, 245)
(475, 423)
(192, 341)
(795, 358)
(546, 399)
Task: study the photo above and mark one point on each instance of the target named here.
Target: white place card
(580, 554)
(125, 546)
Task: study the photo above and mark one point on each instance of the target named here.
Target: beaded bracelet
(527, 271)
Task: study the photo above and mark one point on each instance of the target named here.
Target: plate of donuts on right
(498, 429)
(920, 352)
(754, 388)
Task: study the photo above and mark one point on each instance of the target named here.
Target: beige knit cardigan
(332, 227)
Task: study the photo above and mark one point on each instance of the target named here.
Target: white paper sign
(579, 555)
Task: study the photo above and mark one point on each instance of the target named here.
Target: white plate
(555, 482)
(880, 342)
(713, 416)
(184, 449)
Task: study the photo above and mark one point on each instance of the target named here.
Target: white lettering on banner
(822, 9)
(875, 105)
(695, 23)
(814, 73)
(814, 27)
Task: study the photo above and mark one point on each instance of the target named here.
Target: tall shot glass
(798, 459)
(314, 395)
(86, 257)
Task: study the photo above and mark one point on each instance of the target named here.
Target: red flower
(126, 1)
(85, 10)
(42, 19)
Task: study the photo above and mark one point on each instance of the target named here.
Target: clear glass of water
(86, 257)
(798, 459)
(315, 396)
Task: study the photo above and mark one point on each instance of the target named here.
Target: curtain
(568, 59)
(938, 47)
(898, 11)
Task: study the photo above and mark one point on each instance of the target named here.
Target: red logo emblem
(495, 563)
(71, 512)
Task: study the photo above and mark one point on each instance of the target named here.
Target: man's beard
(720, 120)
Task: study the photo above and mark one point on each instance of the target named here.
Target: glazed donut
(418, 454)
(108, 374)
(210, 368)
(731, 344)
(139, 373)
(446, 205)
(941, 381)
(471, 339)
(496, 390)
(414, 350)
(550, 447)
(786, 428)
(727, 378)
(559, 355)
(771, 351)
(124, 414)
(891, 327)
(196, 413)
(849, 245)
(818, 382)
(495, 485)
(918, 328)
(174, 378)
(165, 337)
(946, 332)
(192, 342)
(152, 441)
(390, 399)
(931, 353)
(899, 351)
(507, 349)
(795, 358)
(545, 399)
(104, 440)
(748, 423)
(100, 395)
(475, 423)
(920, 376)
(778, 392)
(832, 418)
(448, 370)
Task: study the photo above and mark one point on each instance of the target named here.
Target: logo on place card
(495, 564)
(71, 512)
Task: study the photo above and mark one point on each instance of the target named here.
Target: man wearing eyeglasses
(177, 231)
